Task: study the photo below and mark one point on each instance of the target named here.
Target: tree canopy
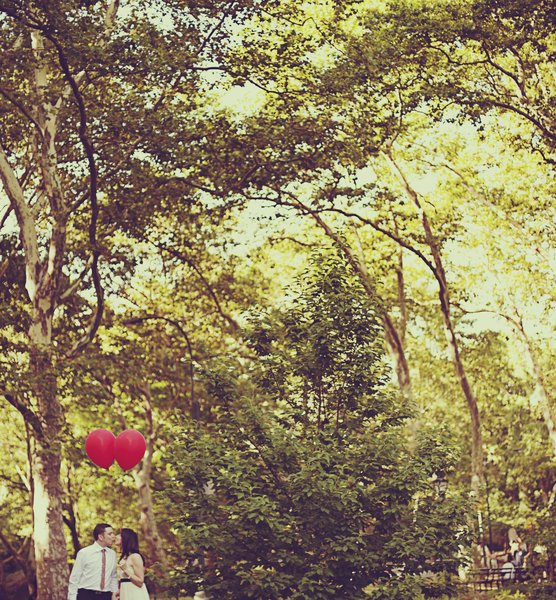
(307, 250)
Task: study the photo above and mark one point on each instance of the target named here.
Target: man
(94, 573)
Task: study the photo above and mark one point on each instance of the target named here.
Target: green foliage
(536, 591)
(419, 587)
(280, 501)
(322, 357)
(408, 587)
(315, 516)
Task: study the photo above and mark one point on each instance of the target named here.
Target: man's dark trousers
(83, 594)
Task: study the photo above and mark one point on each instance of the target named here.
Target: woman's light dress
(128, 590)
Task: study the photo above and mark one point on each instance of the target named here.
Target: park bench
(495, 578)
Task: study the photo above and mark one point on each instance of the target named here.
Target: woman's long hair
(129, 543)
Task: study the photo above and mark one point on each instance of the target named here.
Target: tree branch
(26, 222)
(93, 173)
(70, 290)
(489, 103)
(28, 415)
(205, 282)
(21, 109)
(194, 404)
(5, 216)
(500, 68)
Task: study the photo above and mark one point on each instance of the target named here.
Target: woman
(131, 568)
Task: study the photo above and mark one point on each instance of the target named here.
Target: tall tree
(71, 128)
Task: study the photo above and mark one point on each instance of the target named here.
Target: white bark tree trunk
(540, 395)
(43, 270)
(149, 528)
(437, 268)
(42, 279)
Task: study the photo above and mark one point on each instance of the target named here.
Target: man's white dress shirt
(87, 571)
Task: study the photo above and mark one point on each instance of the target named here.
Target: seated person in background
(515, 544)
(508, 570)
(519, 556)
(486, 557)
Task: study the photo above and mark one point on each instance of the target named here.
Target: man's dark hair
(99, 530)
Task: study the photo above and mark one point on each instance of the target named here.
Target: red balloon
(130, 448)
(100, 447)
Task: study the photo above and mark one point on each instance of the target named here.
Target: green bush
(509, 595)
(309, 489)
(538, 591)
(397, 589)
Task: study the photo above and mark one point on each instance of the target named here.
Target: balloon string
(120, 514)
(120, 548)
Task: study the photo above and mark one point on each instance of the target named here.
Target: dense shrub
(310, 488)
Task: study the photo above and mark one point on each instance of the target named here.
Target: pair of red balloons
(103, 447)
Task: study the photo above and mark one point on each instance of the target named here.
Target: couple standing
(95, 574)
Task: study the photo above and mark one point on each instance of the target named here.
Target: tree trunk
(142, 477)
(477, 453)
(402, 327)
(44, 261)
(48, 534)
(437, 268)
(45, 420)
(394, 336)
(149, 529)
(25, 566)
(50, 544)
(396, 350)
(540, 394)
(70, 520)
(393, 341)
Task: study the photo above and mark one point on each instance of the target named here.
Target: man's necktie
(103, 570)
